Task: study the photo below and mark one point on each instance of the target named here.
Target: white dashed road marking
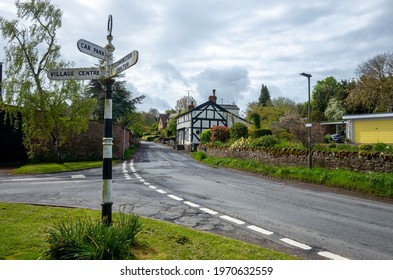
(295, 243)
(209, 211)
(191, 204)
(254, 228)
(175, 197)
(233, 220)
(260, 230)
(331, 256)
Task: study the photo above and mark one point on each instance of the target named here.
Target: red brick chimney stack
(213, 97)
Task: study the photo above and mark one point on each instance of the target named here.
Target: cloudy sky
(194, 46)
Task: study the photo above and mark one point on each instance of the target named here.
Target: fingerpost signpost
(105, 72)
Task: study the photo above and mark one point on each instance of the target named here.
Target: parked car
(339, 137)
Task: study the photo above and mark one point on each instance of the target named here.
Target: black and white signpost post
(107, 141)
(106, 74)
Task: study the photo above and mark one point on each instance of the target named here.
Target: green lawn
(23, 233)
(41, 168)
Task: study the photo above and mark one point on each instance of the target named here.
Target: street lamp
(308, 125)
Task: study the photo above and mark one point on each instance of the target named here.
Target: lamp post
(308, 125)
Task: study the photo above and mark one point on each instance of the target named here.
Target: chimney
(213, 97)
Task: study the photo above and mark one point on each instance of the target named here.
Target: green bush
(84, 239)
(205, 136)
(382, 148)
(239, 130)
(366, 147)
(266, 141)
(257, 133)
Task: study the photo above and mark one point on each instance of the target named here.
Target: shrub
(266, 141)
(85, 239)
(382, 148)
(239, 130)
(241, 143)
(205, 136)
(257, 133)
(219, 133)
(366, 147)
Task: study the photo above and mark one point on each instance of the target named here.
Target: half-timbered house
(191, 124)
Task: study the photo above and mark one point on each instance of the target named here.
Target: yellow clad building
(370, 128)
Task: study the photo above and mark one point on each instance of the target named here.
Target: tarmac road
(308, 221)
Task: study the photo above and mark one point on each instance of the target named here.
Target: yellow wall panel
(373, 131)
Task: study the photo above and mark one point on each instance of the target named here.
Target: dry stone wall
(357, 161)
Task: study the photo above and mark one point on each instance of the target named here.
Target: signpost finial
(110, 24)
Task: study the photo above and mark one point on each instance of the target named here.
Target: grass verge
(41, 168)
(24, 234)
(372, 184)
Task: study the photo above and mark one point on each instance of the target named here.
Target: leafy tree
(133, 121)
(122, 102)
(155, 113)
(373, 92)
(322, 92)
(51, 111)
(170, 130)
(150, 117)
(279, 106)
(334, 110)
(253, 114)
(264, 97)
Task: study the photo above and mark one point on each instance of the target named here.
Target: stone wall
(358, 161)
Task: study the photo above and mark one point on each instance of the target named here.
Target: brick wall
(88, 145)
(353, 161)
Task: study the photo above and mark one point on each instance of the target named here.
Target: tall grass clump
(86, 239)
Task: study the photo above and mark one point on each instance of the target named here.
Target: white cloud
(232, 46)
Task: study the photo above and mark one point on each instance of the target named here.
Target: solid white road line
(331, 256)
(295, 243)
(233, 220)
(175, 197)
(260, 230)
(209, 211)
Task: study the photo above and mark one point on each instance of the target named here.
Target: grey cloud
(230, 83)
(170, 73)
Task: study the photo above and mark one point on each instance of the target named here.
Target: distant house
(191, 124)
(370, 128)
(163, 121)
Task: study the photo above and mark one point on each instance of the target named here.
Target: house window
(197, 132)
